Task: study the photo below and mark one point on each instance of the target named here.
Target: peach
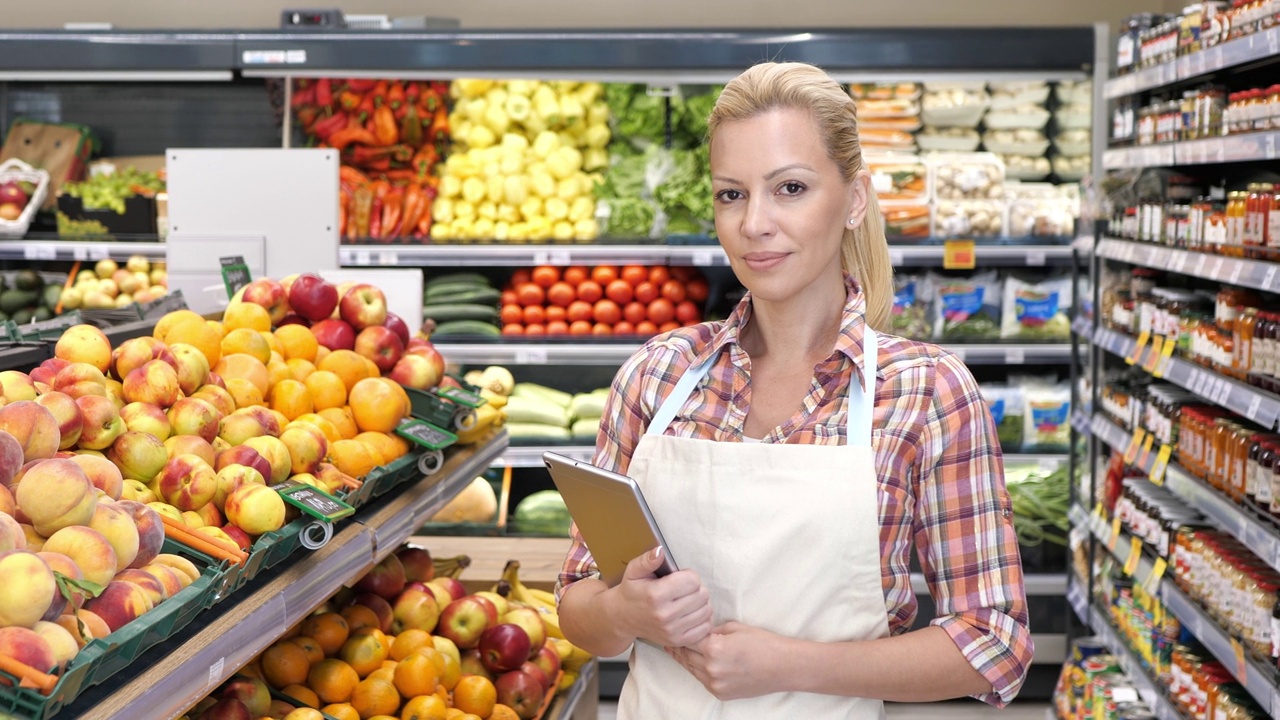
(240, 426)
(102, 473)
(146, 418)
(55, 494)
(187, 482)
(179, 564)
(119, 603)
(216, 380)
(243, 455)
(33, 426)
(11, 459)
(233, 476)
(12, 534)
(150, 529)
(136, 352)
(62, 643)
(79, 380)
(276, 453)
(220, 445)
(319, 421)
(115, 392)
(307, 448)
(93, 622)
(190, 445)
(102, 423)
(84, 343)
(16, 385)
(192, 416)
(35, 541)
(137, 491)
(138, 455)
(331, 477)
(118, 527)
(167, 510)
(240, 537)
(379, 404)
(217, 397)
(27, 647)
(67, 414)
(47, 370)
(28, 588)
(255, 508)
(63, 565)
(219, 536)
(8, 505)
(272, 422)
(210, 515)
(192, 366)
(151, 585)
(90, 550)
(155, 382)
(168, 578)
(71, 624)
(193, 519)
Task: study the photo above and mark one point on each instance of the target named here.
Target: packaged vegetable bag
(1008, 409)
(966, 309)
(1048, 417)
(910, 314)
(1038, 311)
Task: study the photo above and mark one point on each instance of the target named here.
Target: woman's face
(781, 203)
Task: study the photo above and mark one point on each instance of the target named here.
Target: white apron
(785, 538)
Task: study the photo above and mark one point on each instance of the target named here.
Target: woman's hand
(674, 610)
(735, 661)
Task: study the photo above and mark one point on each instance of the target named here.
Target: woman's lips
(761, 261)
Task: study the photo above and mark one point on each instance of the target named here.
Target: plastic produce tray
(396, 473)
(102, 658)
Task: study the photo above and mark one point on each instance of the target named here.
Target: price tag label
(1152, 583)
(1215, 272)
(1242, 667)
(1147, 444)
(1199, 266)
(1114, 537)
(531, 356)
(1153, 357)
(425, 434)
(313, 501)
(388, 258)
(541, 257)
(1135, 443)
(1014, 356)
(1268, 278)
(1161, 464)
(1135, 554)
(462, 397)
(99, 253)
(561, 257)
(1269, 148)
(80, 253)
(215, 671)
(364, 258)
(235, 274)
(30, 253)
(1035, 258)
(704, 258)
(959, 255)
(1221, 391)
(1138, 347)
(1166, 355)
(1179, 262)
(1255, 402)
(896, 257)
(1236, 268)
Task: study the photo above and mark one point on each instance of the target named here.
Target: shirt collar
(848, 343)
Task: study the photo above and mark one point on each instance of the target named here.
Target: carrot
(175, 530)
(28, 676)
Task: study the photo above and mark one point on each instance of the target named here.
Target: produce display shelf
(22, 356)
(1256, 274)
(68, 250)
(1260, 536)
(524, 353)
(527, 456)
(1259, 406)
(1260, 682)
(698, 255)
(579, 702)
(1248, 49)
(1242, 147)
(173, 676)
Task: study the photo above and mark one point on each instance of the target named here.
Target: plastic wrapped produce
(1048, 412)
(910, 315)
(966, 309)
(884, 91)
(968, 218)
(1015, 94)
(948, 139)
(1008, 406)
(1032, 117)
(1075, 142)
(967, 176)
(898, 177)
(1071, 168)
(1040, 210)
(907, 220)
(954, 104)
(1023, 167)
(1073, 92)
(1036, 311)
(1016, 142)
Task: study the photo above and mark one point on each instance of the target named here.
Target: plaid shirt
(941, 476)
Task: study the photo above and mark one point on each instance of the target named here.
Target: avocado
(4, 317)
(42, 313)
(28, 280)
(23, 316)
(52, 293)
(13, 300)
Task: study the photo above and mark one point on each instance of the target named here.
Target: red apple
(363, 306)
(504, 647)
(548, 660)
(398, 326)
(473, 665)
(385, 579)
(380, 345)
(531, 622)
(521, 692)
(417, 564)
(312, 297)
(269, 294)
(454, 587)
(380, 607)
(334, 334)
(253, 692)
(489, 608)
(294, 319)
(448, 381)
(538, 674)
(416, 371)
(227, 709)
(464, 621)
(240, 536)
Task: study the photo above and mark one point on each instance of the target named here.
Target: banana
(452, 566)
(566, 681)
(577, 658)
(545, 603)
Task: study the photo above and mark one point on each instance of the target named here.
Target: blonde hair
(864, 252)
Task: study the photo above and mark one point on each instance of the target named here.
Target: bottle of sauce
(1235, 217)
(1250, 233)
(1266, 199)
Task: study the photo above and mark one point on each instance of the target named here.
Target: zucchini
(472, 278)
(479, 296)
(528, 389)
(448, 312)
(462, 328)
(587, 405)
(536, 410)
(535, 431)
(586, 429)
(451, 289)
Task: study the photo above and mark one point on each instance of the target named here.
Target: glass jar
(1127, 45)
(1262, 215)
(1215, 228)
(1211, 104)
(1235, 214)
(1146, 125)
(1273, 214)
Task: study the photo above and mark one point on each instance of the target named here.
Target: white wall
(516, 14)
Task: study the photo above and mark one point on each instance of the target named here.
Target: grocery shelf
(1242, 147)
(528, 456)
(1035, 584)
(698, 255)
(70, 250)
(612, 353)
(1082, 326)
(1256, 274)
(1257, 405)
(181, 673)
(1077, 596)
(1249, 49)
(1150, 692)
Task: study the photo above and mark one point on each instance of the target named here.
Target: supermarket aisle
(963, 710)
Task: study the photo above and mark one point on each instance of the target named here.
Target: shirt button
(1006, 512)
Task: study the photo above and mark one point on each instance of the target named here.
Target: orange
(372, 368)
(375, 697)
(249, 342)
(167, 323)
(216, 325)
(246, 367)
(273, 342)
(359, 617)
(341, 711)
(299, 367)
(475, 694)
(424, 707)
(304, 714)
(503, 712)
(277, 371)
(302, 694)
(378, 404)
(416, 675)
(285, 663)
(248, 316)
(342, 419)
(298, 342)
(244, 393)
(329, 629)
(291, 398)
(408, 642)
(347, 365)
(452, 672)
(193, 331)
(333, 680)
(363, 652)
(386, 673)
(319, 421)
(321, 352)
(352, 457)
(315, 653)
(327, 389)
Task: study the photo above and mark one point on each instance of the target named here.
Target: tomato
(623, 327)
(545, 275)
(509, 297)
(619, 291)
(668, 327)
(601, 329)
(634, 274)
(561, 294)
(535, 329)
(580, 327)
(646, 292)
(644, 328)
(687, 313)
(607, 312)
(634, 312)
(533, 315)
(554, 313)
(659, 274)
(512, 329)
(511, 314)
(575, 274)
(604, 274)
(579, 310)
(683, 273)
(697, 290)
(557, 327)
(530, 294)
(673, 290)
(590, 291)
(521, 276)
(661, 311)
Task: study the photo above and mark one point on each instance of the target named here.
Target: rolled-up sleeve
(965, 537)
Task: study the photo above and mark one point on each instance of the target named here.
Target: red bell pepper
(324, 92)
(349, 100)
(342, 138)
(303, 97)
(384, 126)
(375, 218)
(440, 126)
(360, 85)
(395, 95)
(324, 128)
(392, 209)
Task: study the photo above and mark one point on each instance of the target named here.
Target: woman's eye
(792, 188)
(728, 195)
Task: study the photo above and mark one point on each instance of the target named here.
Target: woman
(792, 456)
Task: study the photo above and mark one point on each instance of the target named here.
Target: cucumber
(448, 312)
(538, 410)
(447, 289)
(462, 328)
(535, 431)
(542, 392)
(479, 296)
(471, 278)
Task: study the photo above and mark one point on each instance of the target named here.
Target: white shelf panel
(1248, 49)
(69, 250)
(1242, 147)
(1256, 274)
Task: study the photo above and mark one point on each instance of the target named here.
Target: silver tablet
(611, 514)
